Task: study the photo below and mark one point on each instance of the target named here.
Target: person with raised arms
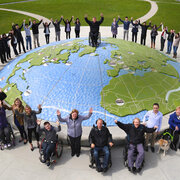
(74, 129)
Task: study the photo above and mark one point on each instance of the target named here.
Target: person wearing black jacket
(56, 24)
(77, 27)
(47, 31)
(35, 30)
(13, 42)
(135, 135)
(134, 30)
(94, 28)
(2, 50)
(68, 27)
(7, 46)
(50, 140)
(19, 37)
(144, 32)
(99, 139)
(170, 41)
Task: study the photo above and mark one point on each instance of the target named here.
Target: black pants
(94, 37)
(134, 37)
(8, 53)
(68, 35)
(22, 132)
(21, 42)
(114, 35)
(176, 137)
(30, 134)
(162, 43)
(14, 48)
(77, 33)
(143, 39)
(47, 38)
(5, 135)
(3, 56)
(75, 145)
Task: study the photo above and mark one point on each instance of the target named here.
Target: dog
(164, 145)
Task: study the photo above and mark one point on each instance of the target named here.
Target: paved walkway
(36, 16)
(151, 13)
(22, 164)
(16, 2)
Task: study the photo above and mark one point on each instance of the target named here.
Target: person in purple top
(74, 129)
(114, 27)
(4, 128)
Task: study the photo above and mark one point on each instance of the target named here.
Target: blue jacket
(126, 24)
(174, 121)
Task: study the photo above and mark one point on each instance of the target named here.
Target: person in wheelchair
(49, 144)
(99, 139)
(5, 133)
(174, 123)
(135, 134)
(94, 28)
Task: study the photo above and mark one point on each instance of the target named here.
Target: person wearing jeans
(50, 139)
(176, 44)
(170, 41)
(28, 34)
(100, 139)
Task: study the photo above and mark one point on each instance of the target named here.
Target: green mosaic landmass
(139, 92)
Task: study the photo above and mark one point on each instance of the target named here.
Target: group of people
(172, 37)
(15, 36)
(100, 138)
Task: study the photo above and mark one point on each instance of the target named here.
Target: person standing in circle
(77, 27)
(74, 129)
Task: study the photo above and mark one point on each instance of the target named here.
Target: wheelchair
(12, 138)
(98, 39)
(125, 154)
(101, 157)
(57, 151)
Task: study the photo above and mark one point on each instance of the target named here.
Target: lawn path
(151, 13)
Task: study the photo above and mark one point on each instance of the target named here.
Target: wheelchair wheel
(59, 148)
(91, 159)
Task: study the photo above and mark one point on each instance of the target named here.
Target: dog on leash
(165, 141)
(164, 145)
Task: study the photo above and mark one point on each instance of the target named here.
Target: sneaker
(5, 146)
(9, 145)
(152, 149)
(72, 154)
(78, 155)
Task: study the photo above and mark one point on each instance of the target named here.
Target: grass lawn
(168, 13)
(6, 19)
(9, 1)
(112, 8)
